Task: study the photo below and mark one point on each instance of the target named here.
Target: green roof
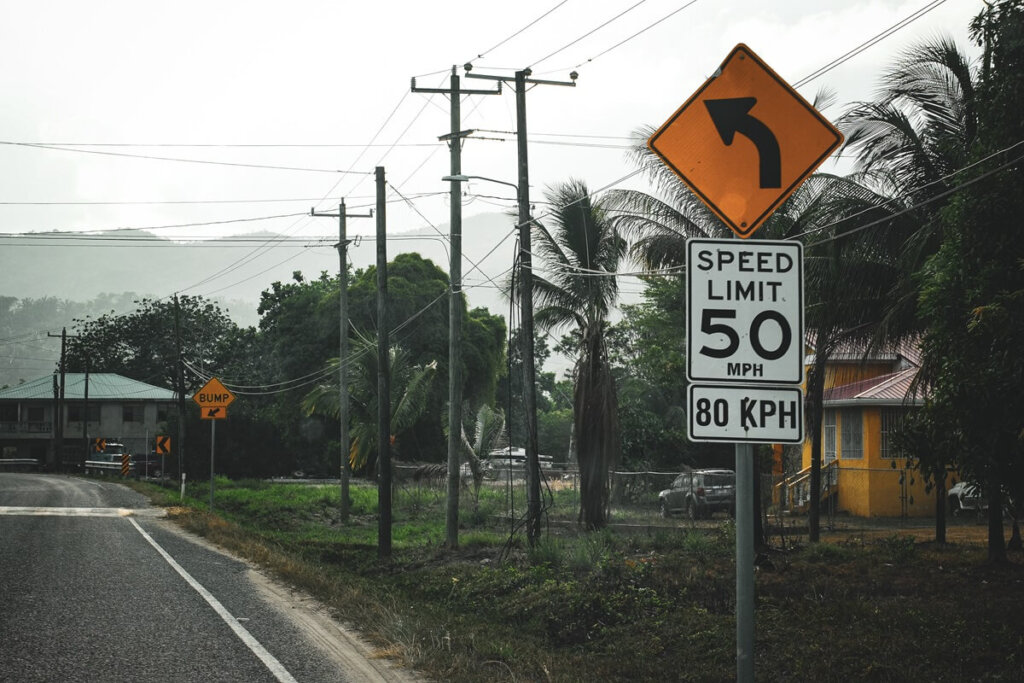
(103, 386)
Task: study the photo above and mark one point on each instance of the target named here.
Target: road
(96, 586)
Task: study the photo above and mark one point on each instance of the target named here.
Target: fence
(853, 499)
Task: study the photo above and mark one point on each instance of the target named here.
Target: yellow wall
(869, 486)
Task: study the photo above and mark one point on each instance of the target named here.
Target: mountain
(235, 270)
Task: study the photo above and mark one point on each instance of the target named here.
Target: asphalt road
(96, 586)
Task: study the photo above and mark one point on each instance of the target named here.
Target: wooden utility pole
(455, 302)
(181, 388)
(520, 82)
(58, 408)
(346, 466)
(383, 379)
(85, 411)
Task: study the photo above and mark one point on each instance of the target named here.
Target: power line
(869, 43)
(491, 49)
(165, 202)
(588, 33)
(638, 33)
(179, 160)
(82, 233)
(223, 145)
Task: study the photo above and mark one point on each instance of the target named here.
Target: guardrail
(105, 466)
(19, 463)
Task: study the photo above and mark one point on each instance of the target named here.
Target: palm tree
(580, 251)
(410, 386)
(487, 435)
(910, 141)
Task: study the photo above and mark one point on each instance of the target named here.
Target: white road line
(81, 512)
(268, 659)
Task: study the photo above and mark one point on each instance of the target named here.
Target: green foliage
(581, 250)
(141, 344)
(899, 547)
(409, 392)
(972, 289)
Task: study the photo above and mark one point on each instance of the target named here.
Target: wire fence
(853, 499)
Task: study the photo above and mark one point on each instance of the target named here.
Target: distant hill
(235, 271)
(231, 271)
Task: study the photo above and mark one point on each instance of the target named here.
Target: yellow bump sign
(213, 395)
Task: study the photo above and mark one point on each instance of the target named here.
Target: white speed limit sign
(745, 311)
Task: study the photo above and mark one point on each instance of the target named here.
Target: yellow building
(861, 473)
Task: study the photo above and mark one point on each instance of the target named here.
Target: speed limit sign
(745, 311)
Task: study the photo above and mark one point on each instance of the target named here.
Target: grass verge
(654, 603)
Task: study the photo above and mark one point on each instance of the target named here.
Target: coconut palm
(908, 142)
(579, 251)
(409, 385)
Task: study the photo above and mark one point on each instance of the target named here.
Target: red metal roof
(892, 388)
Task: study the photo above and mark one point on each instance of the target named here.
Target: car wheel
(954, 506)
(665, 512)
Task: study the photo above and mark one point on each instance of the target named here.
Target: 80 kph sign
(745, 311)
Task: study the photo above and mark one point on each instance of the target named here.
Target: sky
(197, 119)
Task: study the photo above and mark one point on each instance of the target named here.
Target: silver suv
(700, 493)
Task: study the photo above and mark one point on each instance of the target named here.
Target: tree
(580, 251)
(410, 391)
(972, 289)
(141, 344)
(510, 385)
(486, 435)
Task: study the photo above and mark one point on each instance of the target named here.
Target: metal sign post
(213, 441)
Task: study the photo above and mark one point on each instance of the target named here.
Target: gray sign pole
(745, 562)
(213, 440)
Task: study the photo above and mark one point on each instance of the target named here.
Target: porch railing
(794, 492)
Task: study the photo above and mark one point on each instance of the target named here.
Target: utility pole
(383, 379)
(455, 302)
(520, 82)
(181, 389)
(346, 466)
(85, 411)
(58, 411)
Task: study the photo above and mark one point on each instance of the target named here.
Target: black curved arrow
(732, 116)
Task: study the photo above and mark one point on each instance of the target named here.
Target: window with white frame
(851, 445)
(828, 436)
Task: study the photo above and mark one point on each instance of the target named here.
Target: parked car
(148, 464)
(700, 493)
(965, 496)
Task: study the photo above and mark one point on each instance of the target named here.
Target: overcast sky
(305, 86)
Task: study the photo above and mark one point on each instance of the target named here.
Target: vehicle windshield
(719, 480)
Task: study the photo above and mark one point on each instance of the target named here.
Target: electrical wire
(195, 201)
(491, 49)
(907, 209)
(588, 33)
(903, 23)
(179, 160)
(638, 33)
(81, 233)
